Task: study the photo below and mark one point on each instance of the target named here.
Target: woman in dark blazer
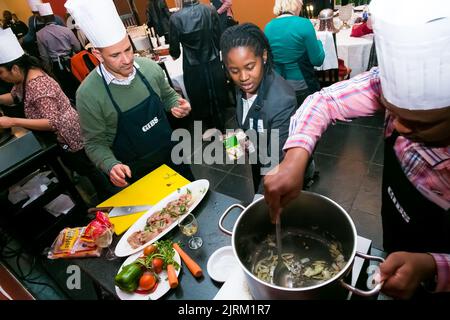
(264, 100)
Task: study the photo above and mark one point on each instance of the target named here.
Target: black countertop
(48, 149)
(208, 212)
(102, 271)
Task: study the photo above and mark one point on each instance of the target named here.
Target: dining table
(355, 51)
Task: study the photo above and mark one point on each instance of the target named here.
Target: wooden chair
(327, 77)
(128, 20)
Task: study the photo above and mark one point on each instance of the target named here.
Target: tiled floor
(349, 158)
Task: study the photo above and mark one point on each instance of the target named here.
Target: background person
(196, 28)
(19, 28)
(416, 173)
(35, 23)
(158, 16)
(264, 100)
(122, 103)
(57, 44)
(295, 47)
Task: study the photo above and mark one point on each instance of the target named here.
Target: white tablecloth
(330, 61)
(354, 51)
(175, 70)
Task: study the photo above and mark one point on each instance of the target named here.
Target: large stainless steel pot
(308, 211)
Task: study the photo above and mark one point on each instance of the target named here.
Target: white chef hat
(412, 40)
(45, 9)
(99, 21)
(33, 4)
(10, 49)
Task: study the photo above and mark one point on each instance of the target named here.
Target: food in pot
(304, 266)
(160, 220)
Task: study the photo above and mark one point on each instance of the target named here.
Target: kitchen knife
(119, 211)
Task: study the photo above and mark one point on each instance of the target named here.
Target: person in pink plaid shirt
(412, 86)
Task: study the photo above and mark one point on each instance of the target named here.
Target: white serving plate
(161, 289)
(198, 189)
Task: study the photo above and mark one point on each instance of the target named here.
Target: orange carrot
(193, 267)
(172, 276)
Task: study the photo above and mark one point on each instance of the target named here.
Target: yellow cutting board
(148, 190)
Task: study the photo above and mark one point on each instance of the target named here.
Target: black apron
(143, 134)
(411, 222)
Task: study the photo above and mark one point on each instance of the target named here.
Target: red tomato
(148, 250)
(147, 281)
(157, 264)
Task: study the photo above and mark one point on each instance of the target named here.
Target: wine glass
(345, 14)
(104, 241)
(189, 227)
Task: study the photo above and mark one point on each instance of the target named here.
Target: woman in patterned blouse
(47, 108)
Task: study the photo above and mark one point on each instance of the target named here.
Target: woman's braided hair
(246, 35)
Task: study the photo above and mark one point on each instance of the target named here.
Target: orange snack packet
(70, 243)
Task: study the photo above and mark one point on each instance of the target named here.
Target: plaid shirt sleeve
(344, 100)
(443, 272)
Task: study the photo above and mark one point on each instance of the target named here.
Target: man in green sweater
(122, 103)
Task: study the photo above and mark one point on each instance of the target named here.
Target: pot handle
(221, 227)
(360, 292)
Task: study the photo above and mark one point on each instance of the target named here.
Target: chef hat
(45, 9)
(33, 4)
(99, 21)
(412, 40)
(10, 49)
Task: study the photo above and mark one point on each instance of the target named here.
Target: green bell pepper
(128, 278)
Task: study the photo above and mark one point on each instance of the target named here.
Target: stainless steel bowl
(326, 14)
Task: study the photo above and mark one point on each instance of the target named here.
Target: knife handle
(103, 209)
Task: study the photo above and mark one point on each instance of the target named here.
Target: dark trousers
(81, 164)
(207, 91)
(258, 179)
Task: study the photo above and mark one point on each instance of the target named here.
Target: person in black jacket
(19, 28)
(158, 17)
(196, 27)
(265, 101)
